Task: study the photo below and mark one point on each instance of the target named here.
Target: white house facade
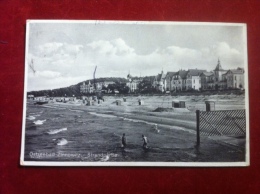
(132, 83)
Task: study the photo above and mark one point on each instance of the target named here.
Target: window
(194, 81)
(235, 78)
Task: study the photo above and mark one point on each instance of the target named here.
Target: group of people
(145, 141)
(143, 138)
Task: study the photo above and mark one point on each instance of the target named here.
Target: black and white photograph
(135, 93)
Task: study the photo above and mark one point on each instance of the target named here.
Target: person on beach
(123, 141)
(145, 141)
(156, 128)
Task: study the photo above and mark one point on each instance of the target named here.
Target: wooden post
(198, 126)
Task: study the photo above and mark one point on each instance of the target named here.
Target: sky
(62, 53)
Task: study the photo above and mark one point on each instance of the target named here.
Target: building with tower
(219, 81)
(218, 72)
(219, 78)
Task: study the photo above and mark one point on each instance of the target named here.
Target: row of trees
(145, 86)
(122, 88)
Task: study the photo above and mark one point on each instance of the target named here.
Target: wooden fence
(221, 123)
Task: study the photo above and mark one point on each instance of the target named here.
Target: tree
(122, 88)
(145, 86)
(111, 87)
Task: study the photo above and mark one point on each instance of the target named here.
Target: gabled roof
(170, 74)
(195, 72)
(207, 73)
(182, 74)
(160, 76)
(236, 71)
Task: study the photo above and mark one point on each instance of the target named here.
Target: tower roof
(218, 67)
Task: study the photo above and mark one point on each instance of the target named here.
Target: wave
(31, 117)
(103, 115)
(39, 122)
(61, 141)
(55, 131)
(76, 110)
(139, 121)
(36, 113)
(54, 107)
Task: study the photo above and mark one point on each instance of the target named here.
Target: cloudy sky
(65, 53)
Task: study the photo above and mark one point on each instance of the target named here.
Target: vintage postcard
(133, 93)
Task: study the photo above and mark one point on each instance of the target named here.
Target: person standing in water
(156, 128)
(145, 141)
(123, 141)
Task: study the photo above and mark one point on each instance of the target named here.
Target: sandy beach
(178, 117)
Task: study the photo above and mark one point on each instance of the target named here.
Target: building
(193, 79)
(218, 72)
(179, 81)
(219, 82)
(207, 80)
(168, 81)
(87, 88)
(235, 78)
(222, 79)
(198, 79)
(132, 83)
(159, 82)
